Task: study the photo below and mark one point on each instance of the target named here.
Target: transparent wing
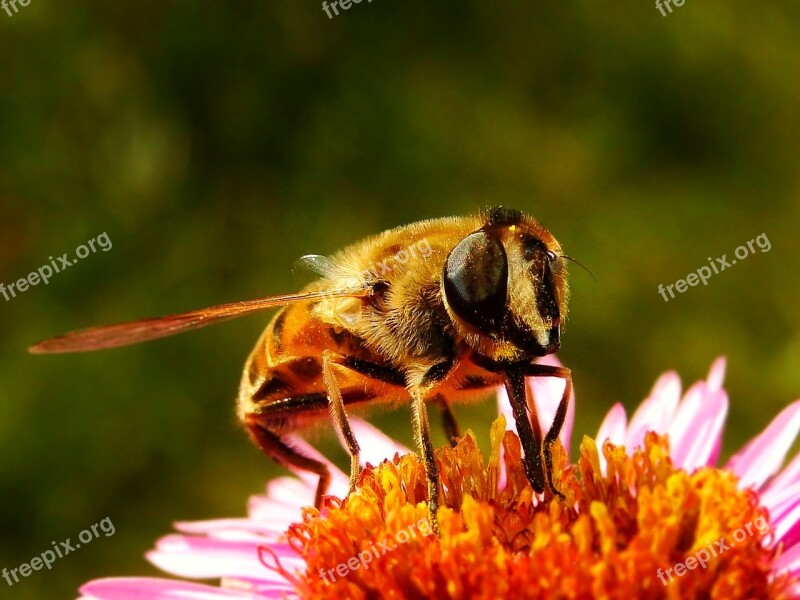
(133, 332)
(316, 263)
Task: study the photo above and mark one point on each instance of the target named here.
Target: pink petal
(504, 408)
(716, 374)
(779, 501)
(613, 426)
(655, 413)
(375, 445)
(280, 506)
(788, 561)
(550, 360)
(148, 588)
(276, 515)
(204, 558)
(734, 460)
(713, 458)
(788, 476)
(233, 529)
(257, 589)
(289, 491)
(763, 456)
(786, 526)
(696, 429)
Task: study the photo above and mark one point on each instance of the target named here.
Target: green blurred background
(216, 143)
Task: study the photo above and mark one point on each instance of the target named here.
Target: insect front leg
(530, 436)
(536, 370)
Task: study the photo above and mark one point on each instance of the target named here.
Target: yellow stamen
(608, 539)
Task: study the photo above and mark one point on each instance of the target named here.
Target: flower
(647, 514)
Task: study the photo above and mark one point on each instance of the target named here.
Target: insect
(432, 313)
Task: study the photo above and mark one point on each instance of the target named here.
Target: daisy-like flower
(646, 514)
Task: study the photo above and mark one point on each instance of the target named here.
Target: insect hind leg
(273, 410)
(278, 450)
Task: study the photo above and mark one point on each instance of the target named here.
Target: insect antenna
(569, 258)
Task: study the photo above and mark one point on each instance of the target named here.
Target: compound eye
(476, 280)
(556, 262)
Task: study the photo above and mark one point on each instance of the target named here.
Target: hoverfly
(485, 296)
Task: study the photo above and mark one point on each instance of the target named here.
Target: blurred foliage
(217, 143)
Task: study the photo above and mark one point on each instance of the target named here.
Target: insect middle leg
(329, 361)
(384, 374)
(422, 435)
(449, 423)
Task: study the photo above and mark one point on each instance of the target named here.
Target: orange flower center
(642, 529)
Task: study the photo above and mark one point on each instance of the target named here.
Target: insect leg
(432, 378)
(448, 421)
(340, 416)
(422, 435)
(530, 436)
(382, 373)
(274, 447)
(535, 370)
(277, 407)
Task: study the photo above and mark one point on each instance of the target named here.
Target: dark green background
(217, 142)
